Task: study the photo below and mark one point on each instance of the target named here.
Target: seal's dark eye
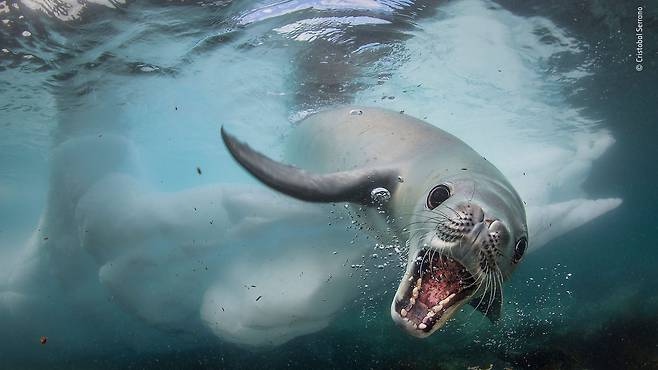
(437, 196)
(519, 249)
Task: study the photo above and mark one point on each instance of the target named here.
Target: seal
(463, 222)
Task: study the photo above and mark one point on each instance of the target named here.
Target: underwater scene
(328, 184)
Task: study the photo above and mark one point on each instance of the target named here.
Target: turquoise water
(129, 238)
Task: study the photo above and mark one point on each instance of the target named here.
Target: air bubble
(380, 195)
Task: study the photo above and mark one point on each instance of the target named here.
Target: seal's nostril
(488, 221)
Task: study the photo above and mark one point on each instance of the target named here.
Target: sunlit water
(129, 238)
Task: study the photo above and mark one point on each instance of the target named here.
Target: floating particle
(198, 170)
(259, 297)
(43, 339)
(147, 68)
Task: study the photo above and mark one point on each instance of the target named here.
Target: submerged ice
(135, 248)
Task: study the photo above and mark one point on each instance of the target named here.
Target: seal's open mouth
(436, 287)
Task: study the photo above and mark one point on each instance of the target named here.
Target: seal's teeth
(415, 292)
(411, 278)
(419, 282)
(437, 308)
(447, 300)
(430, 314)
(422, 326)
(403, 312)
(412, 301)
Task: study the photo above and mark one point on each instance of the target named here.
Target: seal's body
(362, 137)
(358, 137)
(464, 222)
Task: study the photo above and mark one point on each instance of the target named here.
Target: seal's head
(467, 234)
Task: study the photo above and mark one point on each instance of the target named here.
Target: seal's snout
(472, 212)
(466, 221)
(480, 231)
(475, 224)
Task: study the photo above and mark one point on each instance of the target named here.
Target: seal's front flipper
(490, 304)
(355, 186)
